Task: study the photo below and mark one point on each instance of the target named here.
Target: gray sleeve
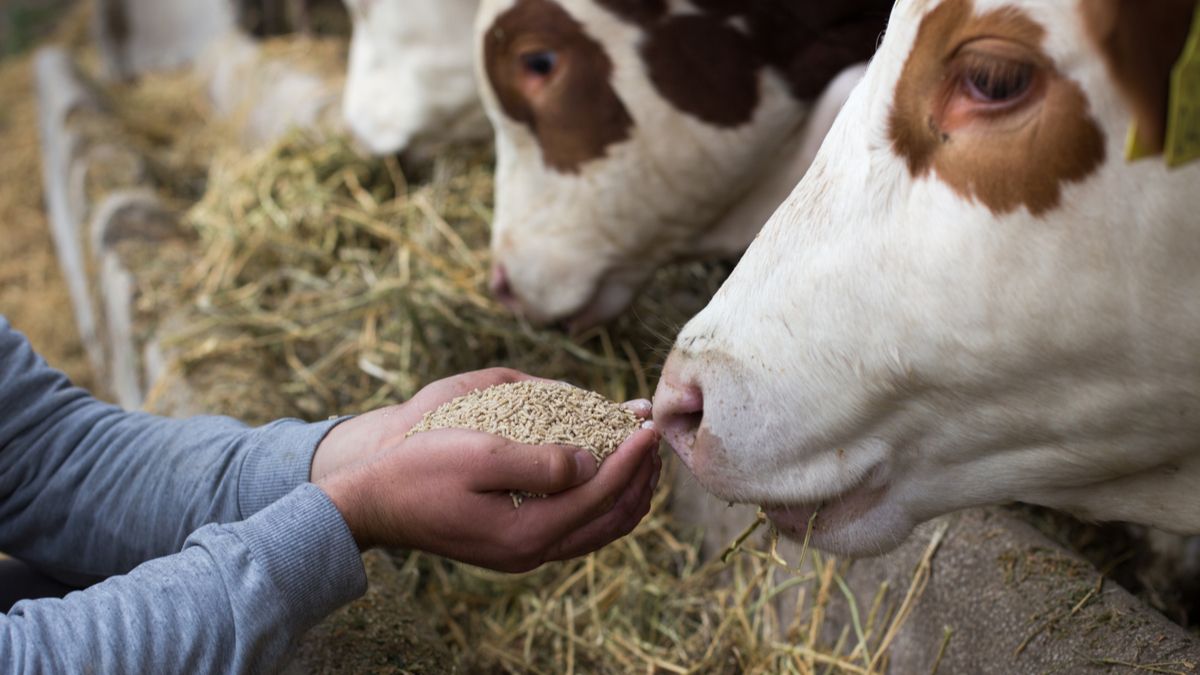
(235, 600)
(88, 490)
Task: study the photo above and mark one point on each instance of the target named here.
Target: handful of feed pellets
(537, 412)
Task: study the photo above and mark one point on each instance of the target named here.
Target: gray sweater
(216, 553)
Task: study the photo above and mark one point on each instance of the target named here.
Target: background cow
(631, 134)
(972, 297)
(411, 78)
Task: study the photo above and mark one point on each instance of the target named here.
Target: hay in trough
(648, 603)
(357, 288)
(347, 285)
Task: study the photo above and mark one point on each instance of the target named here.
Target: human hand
(447, 492)
(356, 439)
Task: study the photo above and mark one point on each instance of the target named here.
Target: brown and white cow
(972, 297)
(632, 133)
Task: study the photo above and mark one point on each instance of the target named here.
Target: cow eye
(997, 81)
(540, 63)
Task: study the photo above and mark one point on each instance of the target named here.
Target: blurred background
(32, 293)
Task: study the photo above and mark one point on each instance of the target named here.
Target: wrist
(352, 440)
(278, 459)
(351, 503)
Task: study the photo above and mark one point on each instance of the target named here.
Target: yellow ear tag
(1182, 144)
(1134, 150)
(1183, 117)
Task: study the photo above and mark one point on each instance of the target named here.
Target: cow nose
(678, 412)
(501, 288)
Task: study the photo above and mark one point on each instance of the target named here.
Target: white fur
(410, 75)
(957, 357)
(584, 243)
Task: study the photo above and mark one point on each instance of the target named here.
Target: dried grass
(351, 286)
(354, 288)
(647, 603)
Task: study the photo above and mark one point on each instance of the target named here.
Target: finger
(552, 518)
(539, 469)
(640, 407)
(630, 510)
(611, 527)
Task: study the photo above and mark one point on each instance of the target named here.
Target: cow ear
(1141, 41)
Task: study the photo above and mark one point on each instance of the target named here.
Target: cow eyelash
(996, 81)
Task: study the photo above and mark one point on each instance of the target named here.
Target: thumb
(539, 469)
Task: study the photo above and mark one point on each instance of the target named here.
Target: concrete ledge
(1009, 599)
(125, 217)
(1015, 602)
(101, 204)
(60, 94)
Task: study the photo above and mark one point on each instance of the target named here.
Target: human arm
(88, 490)
(461, 509)
(234, 600)
(238, 595)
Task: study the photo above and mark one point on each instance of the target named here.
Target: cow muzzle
(551, 304)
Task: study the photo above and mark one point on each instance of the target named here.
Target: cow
(634, 133)
(985, 289)
(410, 84)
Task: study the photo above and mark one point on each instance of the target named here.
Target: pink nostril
(678, 412)
(501, 288)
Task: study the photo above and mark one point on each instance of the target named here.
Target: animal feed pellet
(537, 412)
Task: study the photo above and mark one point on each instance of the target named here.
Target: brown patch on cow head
(981, 105)
(1141, 41)
(549, 75)
(809, 43)
(705, 67)
(707, 64)
(636, 11)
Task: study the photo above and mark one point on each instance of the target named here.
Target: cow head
(627, 132)
(411, 78)
(972, 297)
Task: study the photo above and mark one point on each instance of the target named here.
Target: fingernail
(648, 425)
(585, 465)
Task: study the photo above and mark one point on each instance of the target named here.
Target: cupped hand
(447, 492)
(356, 439)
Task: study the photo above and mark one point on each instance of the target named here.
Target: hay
(646, 603)
(356, 288)
(349, 286)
